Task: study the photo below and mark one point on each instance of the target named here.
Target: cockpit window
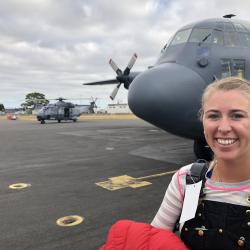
(224, 34)
(220, 26)
(181, 37)
(218, 37)
(231, 39)
(245, 39)
(199, 35)
(240, 27)
(228, 27)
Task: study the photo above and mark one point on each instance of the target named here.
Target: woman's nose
(224, 126)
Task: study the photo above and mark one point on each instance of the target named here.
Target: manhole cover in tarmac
(19, 185)
(69, 221)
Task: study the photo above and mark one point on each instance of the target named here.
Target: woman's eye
(212, 116)
(237, 116)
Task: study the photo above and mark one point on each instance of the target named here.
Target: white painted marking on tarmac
(109, 148)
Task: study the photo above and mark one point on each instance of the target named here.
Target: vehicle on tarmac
(64, 111)
(168, 94)
(12, 117)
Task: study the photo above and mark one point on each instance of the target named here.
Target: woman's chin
(226, 155)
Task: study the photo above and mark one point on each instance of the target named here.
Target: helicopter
(168, 94)
(64, 111)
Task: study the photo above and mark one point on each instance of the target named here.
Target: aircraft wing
(112, 81)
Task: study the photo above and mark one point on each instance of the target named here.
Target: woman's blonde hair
(225, 84)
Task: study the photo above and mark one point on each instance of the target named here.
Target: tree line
(31, 101)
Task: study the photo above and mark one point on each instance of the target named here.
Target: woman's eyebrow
(212, 110)
(238, 110)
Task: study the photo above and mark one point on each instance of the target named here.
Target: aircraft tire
(42, 122)
(58, 121)
(202, 151)
(74, 120)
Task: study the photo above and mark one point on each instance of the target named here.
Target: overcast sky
(53, 46)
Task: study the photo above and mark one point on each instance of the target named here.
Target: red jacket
(131, 235)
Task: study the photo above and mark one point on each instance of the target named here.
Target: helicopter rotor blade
(130, 64)
(114, 92)
(115, 67)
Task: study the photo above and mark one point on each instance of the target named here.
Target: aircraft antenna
(229, 16)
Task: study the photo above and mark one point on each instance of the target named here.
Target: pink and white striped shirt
(171, 206)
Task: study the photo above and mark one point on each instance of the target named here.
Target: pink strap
(227, 189)
(179, 174)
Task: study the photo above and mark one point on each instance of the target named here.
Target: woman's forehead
(229, 98)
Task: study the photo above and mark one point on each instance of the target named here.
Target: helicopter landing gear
(58, 121)
(202, 150)
(42, 122)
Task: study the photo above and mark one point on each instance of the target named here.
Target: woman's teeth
(226, 141)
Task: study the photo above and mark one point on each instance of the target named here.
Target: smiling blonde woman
(222, 218)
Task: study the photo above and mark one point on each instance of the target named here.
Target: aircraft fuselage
(168, 95)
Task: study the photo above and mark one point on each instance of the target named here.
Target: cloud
(53, 46)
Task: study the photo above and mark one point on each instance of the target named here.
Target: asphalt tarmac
(101, 171)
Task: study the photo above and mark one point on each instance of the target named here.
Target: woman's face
(226, 122)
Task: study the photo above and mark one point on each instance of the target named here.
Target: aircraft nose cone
(168, 96)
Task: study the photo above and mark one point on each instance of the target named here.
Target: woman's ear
(204, 132)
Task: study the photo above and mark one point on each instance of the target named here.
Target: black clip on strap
(197, 173)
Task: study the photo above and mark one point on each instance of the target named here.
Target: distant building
(119, 108)
(101, 111)
(85, 108)
(13, 110)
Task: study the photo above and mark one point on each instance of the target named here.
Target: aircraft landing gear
(58, 121)
(74, 120)
(202, 150)
(42, 122)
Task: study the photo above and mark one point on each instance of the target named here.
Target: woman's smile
(226, 141)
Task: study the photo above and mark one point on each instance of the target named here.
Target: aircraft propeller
(122, 77)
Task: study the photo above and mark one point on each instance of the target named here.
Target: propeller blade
(114, 92)
(130, 64)
(115, 67)
(112, 81)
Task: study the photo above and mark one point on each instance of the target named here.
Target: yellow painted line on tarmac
(108, 117)
(124, 181)
(156, 175)
(70, 221)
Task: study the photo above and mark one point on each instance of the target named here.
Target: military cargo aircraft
(64, 111)
(168, 94)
